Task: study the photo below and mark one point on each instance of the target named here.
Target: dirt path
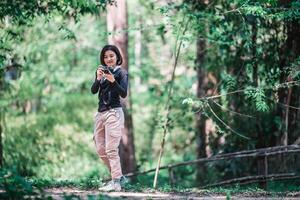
(73, 193)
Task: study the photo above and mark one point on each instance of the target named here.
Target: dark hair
(115, 50)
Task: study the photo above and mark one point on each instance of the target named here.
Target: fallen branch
(254, 179)
(242, 154)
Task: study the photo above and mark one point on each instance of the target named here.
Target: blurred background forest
(244, 53)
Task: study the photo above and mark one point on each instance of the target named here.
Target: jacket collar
(117, 68)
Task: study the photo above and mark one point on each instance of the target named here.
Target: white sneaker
(113, 185)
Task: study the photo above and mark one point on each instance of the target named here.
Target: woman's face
(110, 58)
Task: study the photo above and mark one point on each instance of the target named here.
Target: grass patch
(80, 183)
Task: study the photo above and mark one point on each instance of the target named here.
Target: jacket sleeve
(95, 87)
(121, 87)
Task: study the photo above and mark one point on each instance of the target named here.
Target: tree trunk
(288, 53)
(260, 161)
(293, 96)
(289, 96)
(200, 119)
(117, 24)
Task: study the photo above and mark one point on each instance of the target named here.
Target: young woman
(110, 83)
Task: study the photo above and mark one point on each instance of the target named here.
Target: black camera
(105, 69)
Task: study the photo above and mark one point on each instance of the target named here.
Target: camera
(105, 69)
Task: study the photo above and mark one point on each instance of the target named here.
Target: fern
(258, 97)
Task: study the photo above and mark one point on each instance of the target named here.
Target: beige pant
(107, 135)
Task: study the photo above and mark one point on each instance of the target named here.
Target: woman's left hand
(110, 77)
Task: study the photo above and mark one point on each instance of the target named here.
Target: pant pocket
(113, 126)
(115, 132)
(121, 118)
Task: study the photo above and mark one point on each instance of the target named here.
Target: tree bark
(202, 132)
(200, 119)
(117, 24)
(260, 162)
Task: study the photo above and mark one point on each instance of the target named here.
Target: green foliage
(20, 11)
(61, 143)
(84, 183)
(283, 186)
(56, 126)
(257, 95)
(48, 110)
(14, 186)
(229, 82)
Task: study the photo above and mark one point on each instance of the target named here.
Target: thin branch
(283, 104)
(286, 84)
(273, 179)
(227, 126)
(252, 179)
(168, 105)
(221, 95)
(236, 9)
(238, 74)
(237, 113)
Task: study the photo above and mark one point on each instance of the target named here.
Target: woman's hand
(110, 77)
(99, 74)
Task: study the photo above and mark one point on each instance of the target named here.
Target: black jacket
(109, 93)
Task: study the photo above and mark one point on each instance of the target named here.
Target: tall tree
(261, 168)
(289, 54)
(200, 119)
(202, 89)
(117, 24)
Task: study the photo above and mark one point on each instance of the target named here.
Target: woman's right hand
(99, 74)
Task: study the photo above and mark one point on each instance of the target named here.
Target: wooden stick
(165, 127)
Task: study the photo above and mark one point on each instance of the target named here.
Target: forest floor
(75, 193)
